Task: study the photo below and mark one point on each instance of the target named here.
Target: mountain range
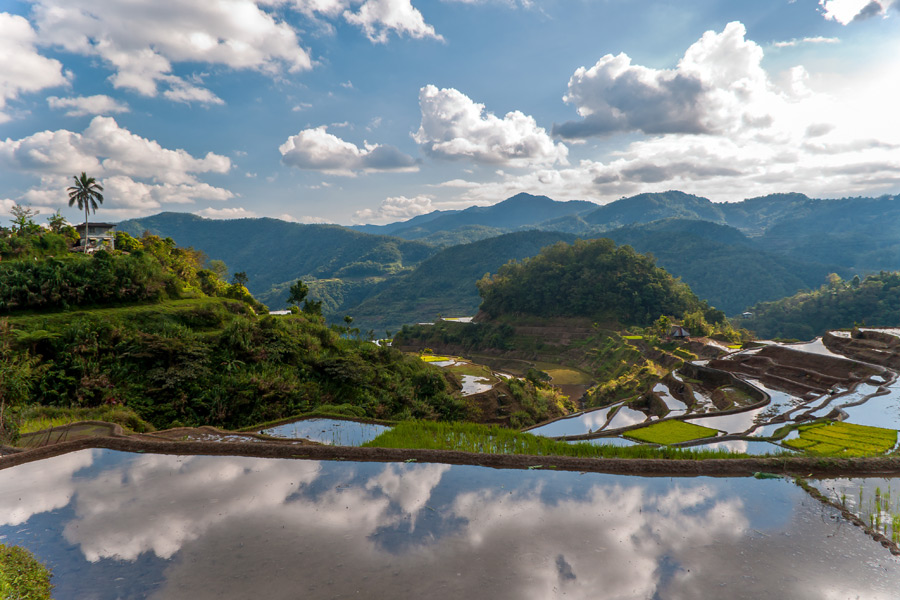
(731, 254)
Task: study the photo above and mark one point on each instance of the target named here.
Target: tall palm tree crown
(85, 192)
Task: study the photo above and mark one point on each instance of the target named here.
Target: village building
(99, 234)
(678, 332)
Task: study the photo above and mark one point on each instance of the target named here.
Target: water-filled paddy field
(338, 432)
(870, 396)
(121, 525)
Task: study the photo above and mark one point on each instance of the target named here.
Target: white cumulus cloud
(305, 220)
(847, 11)
(137, 173)
(237, 212)
(718, 86)
(378, 19)
(22, 68)
(80, 106)
(454, 127)
(142, 39)
(398, 208)
(318, 150)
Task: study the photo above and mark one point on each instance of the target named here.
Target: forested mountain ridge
(731, 254)
(517, 212)
(273, 252)
(444, 284)
(720, 264)
(873, 301)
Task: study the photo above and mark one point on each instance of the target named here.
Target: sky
(374, 111)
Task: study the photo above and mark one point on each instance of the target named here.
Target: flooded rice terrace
(338, 432)
(843, 376)
(121, 525)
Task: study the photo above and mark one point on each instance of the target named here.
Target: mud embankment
(873, 347)
(738, 467)
(803, 374)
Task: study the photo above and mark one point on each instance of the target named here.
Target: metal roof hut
(678, 332)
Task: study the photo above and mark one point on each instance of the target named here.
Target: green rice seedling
(843, 439)
(472, 437)
(671, 432)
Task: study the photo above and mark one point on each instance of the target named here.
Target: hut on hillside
(677, 332)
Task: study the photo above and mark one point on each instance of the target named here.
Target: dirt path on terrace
(791, 466)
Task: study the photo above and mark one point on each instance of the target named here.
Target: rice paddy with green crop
(484, 439)
(843, 439)
(671, 432)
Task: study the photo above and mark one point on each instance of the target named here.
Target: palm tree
(86, 192)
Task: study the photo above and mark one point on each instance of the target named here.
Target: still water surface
(120, 525)
(329, 431)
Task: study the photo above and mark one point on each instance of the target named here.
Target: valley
(563, 350)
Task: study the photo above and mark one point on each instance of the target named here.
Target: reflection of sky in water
(475, 384)
(608, 441)
(878, 411)
(674, 405)
(329, 431)
(733, 423)
(814, 347)
(743, 446)
(132, 526)
(577, 425)
(626, 416)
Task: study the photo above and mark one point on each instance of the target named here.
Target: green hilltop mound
(589, 279)
(149, 269)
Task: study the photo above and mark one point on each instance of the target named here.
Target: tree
(240, 278)
(86, 193)
(22, 216)
(219, 268)
(56, 222)
(298, 293)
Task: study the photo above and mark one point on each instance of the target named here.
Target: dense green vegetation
(22, 576)
(592, 279)
(872, 301)
(470, 437)
(151, 269)
(211, 361)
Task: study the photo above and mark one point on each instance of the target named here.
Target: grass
(22, 576)
(429, 358)
(671, 432)
(63, 317)
(632, 337)
(843, 439)
(484, 439)
(37, 418)
(562, 375)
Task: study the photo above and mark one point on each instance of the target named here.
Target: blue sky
(353, 111)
